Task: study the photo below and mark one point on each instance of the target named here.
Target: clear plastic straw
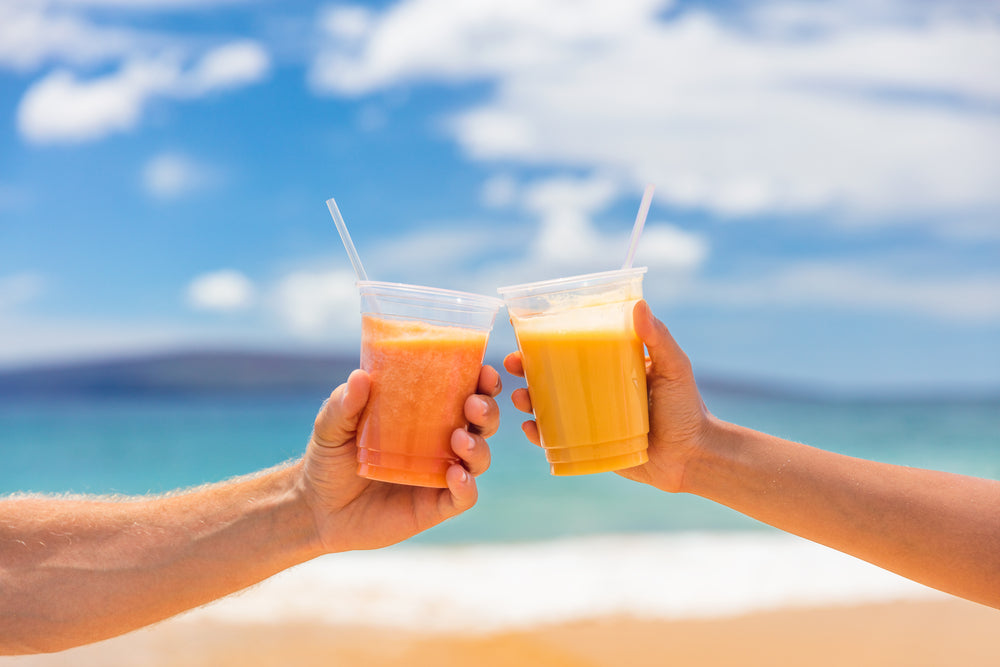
(640, 221)
(345, 236)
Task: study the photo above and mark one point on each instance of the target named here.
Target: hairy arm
(74, 571)
(77, 570)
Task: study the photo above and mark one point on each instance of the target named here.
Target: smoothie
(421, 375)
(585, 369)
(588, 392)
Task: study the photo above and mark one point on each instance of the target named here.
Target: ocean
(540, 547)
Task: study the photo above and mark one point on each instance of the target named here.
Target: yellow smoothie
(588, 389)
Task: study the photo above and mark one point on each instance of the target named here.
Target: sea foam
(491, 587)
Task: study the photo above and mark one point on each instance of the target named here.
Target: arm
(73, 571)
(940, 529)
(937, 528)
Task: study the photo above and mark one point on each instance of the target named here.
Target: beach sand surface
(910, 633)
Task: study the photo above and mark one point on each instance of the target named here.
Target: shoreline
(489, 588)
(705, 599)
(910, 633)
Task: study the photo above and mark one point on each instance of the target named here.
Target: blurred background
(175, 302)
(827, 209)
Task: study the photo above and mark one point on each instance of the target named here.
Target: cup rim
(559, 284)
(424, 293)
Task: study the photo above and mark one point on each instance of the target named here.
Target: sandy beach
(940, 632)
(705, 599)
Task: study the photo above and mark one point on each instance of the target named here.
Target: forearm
(76, 571)
(937, 528)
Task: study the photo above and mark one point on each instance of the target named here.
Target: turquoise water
(154, 445)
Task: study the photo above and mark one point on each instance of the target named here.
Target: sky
(827, 174)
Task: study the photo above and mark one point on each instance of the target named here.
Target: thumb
(337, 421)
(666, 356)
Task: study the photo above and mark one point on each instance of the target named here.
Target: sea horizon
(222, 370)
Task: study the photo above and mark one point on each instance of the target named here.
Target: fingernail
(482, 407)
(465, 475)
(470, 442)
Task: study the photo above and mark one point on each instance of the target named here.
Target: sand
(932, 633)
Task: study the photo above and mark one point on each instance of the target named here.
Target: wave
(491, 587)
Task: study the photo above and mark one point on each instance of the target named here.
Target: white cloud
(499, 191)
(569, 241)
(665, 246)
(225, 290)
(229, 66)
(488, 134)
(318, 305)
(346, 22)
(968, 299)
(172, 175)
(580, 196)
(31, 35)
(557, 236)
(62, 108)
(321, 305)
(34, 33)
(877, 116)
(442, 40)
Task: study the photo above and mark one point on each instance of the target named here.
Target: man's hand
(136, 561)
(352, 512)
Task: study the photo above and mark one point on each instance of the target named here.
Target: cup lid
(570, 283)
(429, 294)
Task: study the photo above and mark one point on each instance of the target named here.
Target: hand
(678, 418)
(352, 512)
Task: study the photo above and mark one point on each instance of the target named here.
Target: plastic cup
(423, 348)
(585, 369)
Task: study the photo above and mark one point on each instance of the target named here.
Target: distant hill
(194, 373)
(182, 373)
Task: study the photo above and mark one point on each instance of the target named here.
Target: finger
(483, 414)
(489, 381)
(530, 429)
(473, 451)
(512, 362)
(337, 421)
(665, 355)
(521, 399)
(462, 492)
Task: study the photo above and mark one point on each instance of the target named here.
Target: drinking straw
(345, 236)
(640, 221)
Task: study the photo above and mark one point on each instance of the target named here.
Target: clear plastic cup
(585, 368)
(423, 348)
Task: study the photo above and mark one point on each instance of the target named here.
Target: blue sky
(827, 174)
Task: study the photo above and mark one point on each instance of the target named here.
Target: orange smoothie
(588, 391)
(421, 375)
